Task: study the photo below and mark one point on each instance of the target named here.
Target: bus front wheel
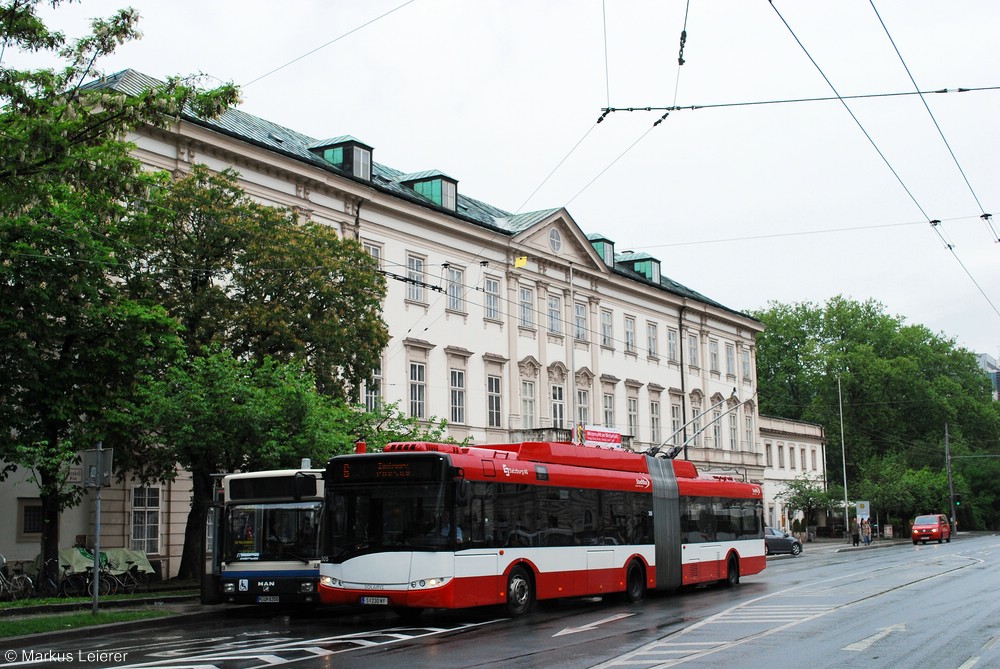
(520, 592)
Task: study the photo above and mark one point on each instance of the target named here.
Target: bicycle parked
(123, 581)
(81, 583)
(46, 583)
(14, 583)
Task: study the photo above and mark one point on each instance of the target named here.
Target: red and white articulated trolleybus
(425, 525)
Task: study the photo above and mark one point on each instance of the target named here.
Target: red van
(934, 526)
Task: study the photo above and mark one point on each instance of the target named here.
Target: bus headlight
(229, 587)
(306, 587)
(331, 582)
(428, 583)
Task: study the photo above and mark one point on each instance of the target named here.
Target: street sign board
(864, 510)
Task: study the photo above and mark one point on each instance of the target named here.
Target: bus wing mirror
(303, 485)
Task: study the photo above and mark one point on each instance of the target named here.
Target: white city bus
(269, 534)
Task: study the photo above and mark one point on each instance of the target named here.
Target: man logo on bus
(244, 585)
(642, 482)
(510, 471)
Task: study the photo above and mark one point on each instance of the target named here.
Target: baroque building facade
(502, 323)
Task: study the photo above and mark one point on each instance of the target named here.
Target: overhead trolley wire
(323, 46)
(987, 218)
(934, 223)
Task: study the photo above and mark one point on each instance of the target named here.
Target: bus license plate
(267, 599)
(381, 601)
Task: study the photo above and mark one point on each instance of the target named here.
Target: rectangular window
(580, 321)
(734, 441)
(373, 391)
(748, 433)
(146, 519)
(583, 407)
(558, 406)
(730, 360)
(654, 422)
(791, 457)
(696, 427)
(526, 297)
(527, 404)
(717, 428)
(802, 459)
(652, 339)
(418, 390)
(362, 166)
(781, 456)
(629, 334)
(609, 410)
(456, 289)
(746, 366)
(457, 390)
(607, 329)
(492, 289)
(693, 350)
(29, 520)
(672, 346)
(633, 416)
(555, 314)
(374, 251)
(449, 194)
(675, 424)
(493, 398)
(813, 453)
(415, 278)
(767, 455)
(713, 355)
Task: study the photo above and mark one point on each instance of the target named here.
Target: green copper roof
(287, 142)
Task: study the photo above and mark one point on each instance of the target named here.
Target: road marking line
(864, 644)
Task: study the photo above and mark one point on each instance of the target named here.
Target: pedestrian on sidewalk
(855, 536)
(866, 532)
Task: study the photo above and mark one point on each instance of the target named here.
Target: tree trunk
(192, 559)
(50, 519)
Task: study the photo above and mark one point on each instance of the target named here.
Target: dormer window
(439, 188)
(649, 269)
(346, 153)
(641, 263)
(439, 191)
(605, 247)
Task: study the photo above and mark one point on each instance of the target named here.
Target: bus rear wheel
(635, 583)
(732, 573)
(520, 592)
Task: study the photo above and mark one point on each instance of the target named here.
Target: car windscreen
(926, 520)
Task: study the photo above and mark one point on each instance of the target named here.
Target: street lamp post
(843, 457)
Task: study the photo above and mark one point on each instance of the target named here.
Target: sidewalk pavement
(844, 545)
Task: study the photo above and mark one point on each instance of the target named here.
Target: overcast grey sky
(745, 203)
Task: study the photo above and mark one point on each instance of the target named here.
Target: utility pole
(947, 467)
(843, 457)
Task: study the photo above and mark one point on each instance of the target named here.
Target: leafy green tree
(218, 413)
(807, 495)
(259, 281)
(884, 484)
(264, 286)
(898, 384)
(73, 339)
